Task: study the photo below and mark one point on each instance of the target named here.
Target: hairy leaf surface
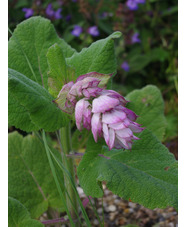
(28, 47)
(19, 216)
(37, 108)
(147, 174)
(149, 105)
(98, 57)
(30, 178)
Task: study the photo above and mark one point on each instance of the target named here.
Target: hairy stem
(65, 139)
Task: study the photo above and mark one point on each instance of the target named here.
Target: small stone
(96, 222)
(168, 215)
(45, 215)
(131, 210)
(80, 190)
(42, 218)
(115, 196)
(126, 210)
(132, 205)
(116, 201)
(112, 208)
(112, 216)
(100, 210)
(107, 192)
(109, 198)
(170, 209)
(122, 221)
(104, 186)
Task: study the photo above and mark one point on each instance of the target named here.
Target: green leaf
(158, 54)
(37, 107)
(99, 57)
(18, 115)
(147, 174)
(29, 175)
(59, 73)
(19, 216)
(149, 105)
(28, 47)
(138, 62)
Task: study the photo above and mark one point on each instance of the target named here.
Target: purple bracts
(99, 110)
(114, 121)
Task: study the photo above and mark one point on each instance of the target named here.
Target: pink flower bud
(83, 114)
(113, 121)
(102, 111)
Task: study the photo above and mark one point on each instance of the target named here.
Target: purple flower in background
(132, 4)
(103, 15)
(135, 38)
(28, 12)
(125, 66)
(140, 1)
(93, 31)
(51, 13)
(77, 30)
(68, 17)
(57, 14)
(49, 10)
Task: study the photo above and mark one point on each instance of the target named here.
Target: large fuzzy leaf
(28, 47)
(149, 105)
(98, 57)
(31, 105)
(30, 179)
(147, 174)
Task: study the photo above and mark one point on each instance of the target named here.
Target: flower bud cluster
(101, 111)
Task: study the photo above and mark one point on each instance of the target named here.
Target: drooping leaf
(149, 105)
(28, 47)
(99, 57)
(19, 216)
(30, 179)
(60, 73)
(38, 110)
(147, 174)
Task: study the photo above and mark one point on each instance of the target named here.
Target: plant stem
(65, 139)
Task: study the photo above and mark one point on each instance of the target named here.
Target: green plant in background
(45, 84)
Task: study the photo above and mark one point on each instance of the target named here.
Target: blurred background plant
(147, 52)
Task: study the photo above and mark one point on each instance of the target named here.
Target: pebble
(45, 215)
(100, 210)
(112, 208)
(96, 222)
(132, 205)
(107, 192)
(80, 191)
(116, 201)
(168, 215)
(42, 218)
(112, 216)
